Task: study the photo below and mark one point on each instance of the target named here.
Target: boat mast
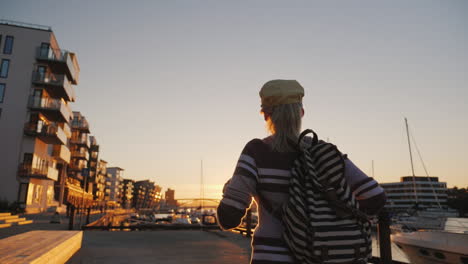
(202, 192)
(411, 159)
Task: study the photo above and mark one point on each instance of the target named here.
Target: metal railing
(51, 130)
(80, 154)
(60, 80)
(49, 103)
(48, 53)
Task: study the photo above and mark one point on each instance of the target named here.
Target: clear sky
(166, 84)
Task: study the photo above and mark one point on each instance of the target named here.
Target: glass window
(2, 92)
(4, 68)
(8, 46)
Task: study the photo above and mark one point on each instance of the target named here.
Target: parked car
(182, 221)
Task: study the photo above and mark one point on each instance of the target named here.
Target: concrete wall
(14, 107)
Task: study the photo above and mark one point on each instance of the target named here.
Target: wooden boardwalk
(40, 247)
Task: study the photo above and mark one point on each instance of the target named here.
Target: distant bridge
(198, 202)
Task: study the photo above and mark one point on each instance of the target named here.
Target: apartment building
(37, 81)
(169, 196)
(97, 179)
(426, 192)
(146, 194)
(127, 193)
(102, 171)
(115, 187)
(78, 186)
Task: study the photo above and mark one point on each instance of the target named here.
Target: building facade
(127, 193)
(97, 179)
(423, 192)
(115, 185)
(37, 81)
(169, 196)
(146, 195)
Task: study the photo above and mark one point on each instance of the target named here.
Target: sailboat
(435, 236)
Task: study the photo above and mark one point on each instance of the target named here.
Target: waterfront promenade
(171, 247)
(162, 246)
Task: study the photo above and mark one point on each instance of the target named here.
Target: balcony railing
(83, 141)
(49, 133)
(80, 154)
(52, 108)
(61, 152)
(27, 170)
(61, 60)
(77, 166)
(82, 125)
(55, 81)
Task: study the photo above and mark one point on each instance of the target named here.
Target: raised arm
(238, 191)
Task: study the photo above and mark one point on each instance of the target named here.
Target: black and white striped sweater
(261, 170)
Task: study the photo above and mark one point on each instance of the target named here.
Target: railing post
(384, 238)
(71, 221)
(248, 221)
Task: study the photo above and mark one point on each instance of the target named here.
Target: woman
(264, 168)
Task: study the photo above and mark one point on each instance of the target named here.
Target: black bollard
(384, 238)
(248, 221)
(71, 221)
(87, 217)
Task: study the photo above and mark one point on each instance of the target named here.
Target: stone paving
(168, 247)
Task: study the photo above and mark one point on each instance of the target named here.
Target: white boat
(433, 246)
(446, 242)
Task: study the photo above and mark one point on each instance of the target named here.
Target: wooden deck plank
(6, 217)
(26, 222)
(40, 247)
(14, 220)
(34, 248)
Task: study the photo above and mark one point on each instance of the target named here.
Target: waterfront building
(97, 179)
(36, 87)
(127, 193)
(78, 186)
(426, 192)
(146, 194)
(115, 185)
(169, 196)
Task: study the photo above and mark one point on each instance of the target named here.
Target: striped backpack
(321, 217)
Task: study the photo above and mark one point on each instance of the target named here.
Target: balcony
(62, 153)
(60, 61)
(58, 84)
(48, 133)
(26, 170)
(80, 155)
(81, 141)
(81, 125)
(53, 109)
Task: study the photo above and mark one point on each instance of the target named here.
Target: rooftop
(24, 25)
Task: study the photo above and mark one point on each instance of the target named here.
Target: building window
(2, 92)
(4, 67)
(8, 46)
(0, 113)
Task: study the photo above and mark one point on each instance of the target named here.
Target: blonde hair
(284, 123)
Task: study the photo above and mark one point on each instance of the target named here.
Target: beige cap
(278, 92)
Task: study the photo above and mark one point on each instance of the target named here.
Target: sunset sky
(166, 84)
